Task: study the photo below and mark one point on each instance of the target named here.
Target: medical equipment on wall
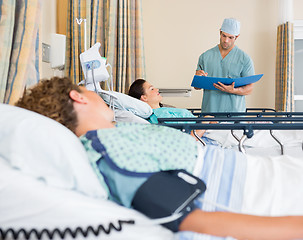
(94, 67)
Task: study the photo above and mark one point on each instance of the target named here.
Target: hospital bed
(260, 129)
(48, 185)
(273, 142)
(46, 182)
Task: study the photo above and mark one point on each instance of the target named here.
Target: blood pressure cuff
(166, 193)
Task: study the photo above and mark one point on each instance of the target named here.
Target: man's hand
(244, 90)
(225, 88)
(200, 73)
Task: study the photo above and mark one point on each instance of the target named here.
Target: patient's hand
(199, 132)
(210, 122)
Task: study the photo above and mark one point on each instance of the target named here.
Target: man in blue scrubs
(228, 61)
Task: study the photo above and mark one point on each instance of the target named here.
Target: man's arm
(241, 226)
(248, 70)
(243, 90)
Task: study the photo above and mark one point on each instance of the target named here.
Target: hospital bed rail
(197, 111)
(246, 121)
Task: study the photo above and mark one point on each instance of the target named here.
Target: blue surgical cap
(231, 26)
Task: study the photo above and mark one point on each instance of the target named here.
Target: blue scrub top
(236, 64)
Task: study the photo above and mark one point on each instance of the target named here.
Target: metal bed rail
(197, 111)
(248, 122)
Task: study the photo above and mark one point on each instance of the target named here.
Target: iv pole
(79, 21)
(109, 84)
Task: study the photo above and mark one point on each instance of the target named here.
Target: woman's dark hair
(136, 90)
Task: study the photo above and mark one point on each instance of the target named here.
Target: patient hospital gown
(166, 112)
(135, 149)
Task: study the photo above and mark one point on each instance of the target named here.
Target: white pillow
(45, 149)
(125, 102)
(126, 116)
(28, 203)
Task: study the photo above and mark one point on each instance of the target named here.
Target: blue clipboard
(208, 82)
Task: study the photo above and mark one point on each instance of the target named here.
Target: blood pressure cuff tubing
(166, 193)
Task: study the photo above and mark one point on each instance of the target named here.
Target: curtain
(285, 68)
(74, 39)
(20, 53)
(117, 25)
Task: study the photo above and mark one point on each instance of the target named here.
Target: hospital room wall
(48, 27)
(177, 32)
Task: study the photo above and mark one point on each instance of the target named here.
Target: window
(298, 63)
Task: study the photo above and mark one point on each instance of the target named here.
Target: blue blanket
(224, 172)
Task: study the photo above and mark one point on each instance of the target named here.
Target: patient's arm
(243, 226)
(199, 132)
(243, 90)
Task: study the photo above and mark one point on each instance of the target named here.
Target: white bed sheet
(262, 143)
(27, 202)
(250, 184)
(273, 185)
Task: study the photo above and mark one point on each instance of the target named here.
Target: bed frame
(197, 111)
(247, 121)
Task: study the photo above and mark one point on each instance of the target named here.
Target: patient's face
(98, 105)
(152, 95)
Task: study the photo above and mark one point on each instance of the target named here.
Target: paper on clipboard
(208, 82)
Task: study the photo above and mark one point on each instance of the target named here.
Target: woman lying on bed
(144, 91)
(85, 113)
